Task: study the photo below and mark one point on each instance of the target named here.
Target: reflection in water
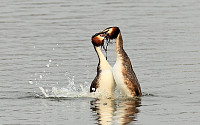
(127, 110)
(110, 111)
(104, 109)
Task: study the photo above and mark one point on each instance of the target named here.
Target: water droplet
(47, 65)
(30, 82)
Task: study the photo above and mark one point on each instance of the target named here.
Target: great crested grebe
(103, 84)
(123, 73)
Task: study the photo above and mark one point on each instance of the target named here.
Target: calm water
(45, 51)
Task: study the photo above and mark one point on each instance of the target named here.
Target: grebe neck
(119, 46)
(102, 60)
(119, 42)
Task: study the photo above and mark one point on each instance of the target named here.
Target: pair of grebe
(121, 74)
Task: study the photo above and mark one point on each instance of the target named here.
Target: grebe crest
(109, 33)
(98, 40)
(112, 32)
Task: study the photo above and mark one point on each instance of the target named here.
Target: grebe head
(111, 32)
(98, 39)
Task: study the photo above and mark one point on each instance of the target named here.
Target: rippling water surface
(47, 61)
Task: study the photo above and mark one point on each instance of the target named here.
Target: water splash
(54, 82)
(71, 90)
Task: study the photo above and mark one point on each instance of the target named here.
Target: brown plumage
(130, 78)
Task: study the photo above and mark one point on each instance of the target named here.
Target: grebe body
(123, 73)
(103, 85)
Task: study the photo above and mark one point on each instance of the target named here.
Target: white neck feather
(103, 62)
